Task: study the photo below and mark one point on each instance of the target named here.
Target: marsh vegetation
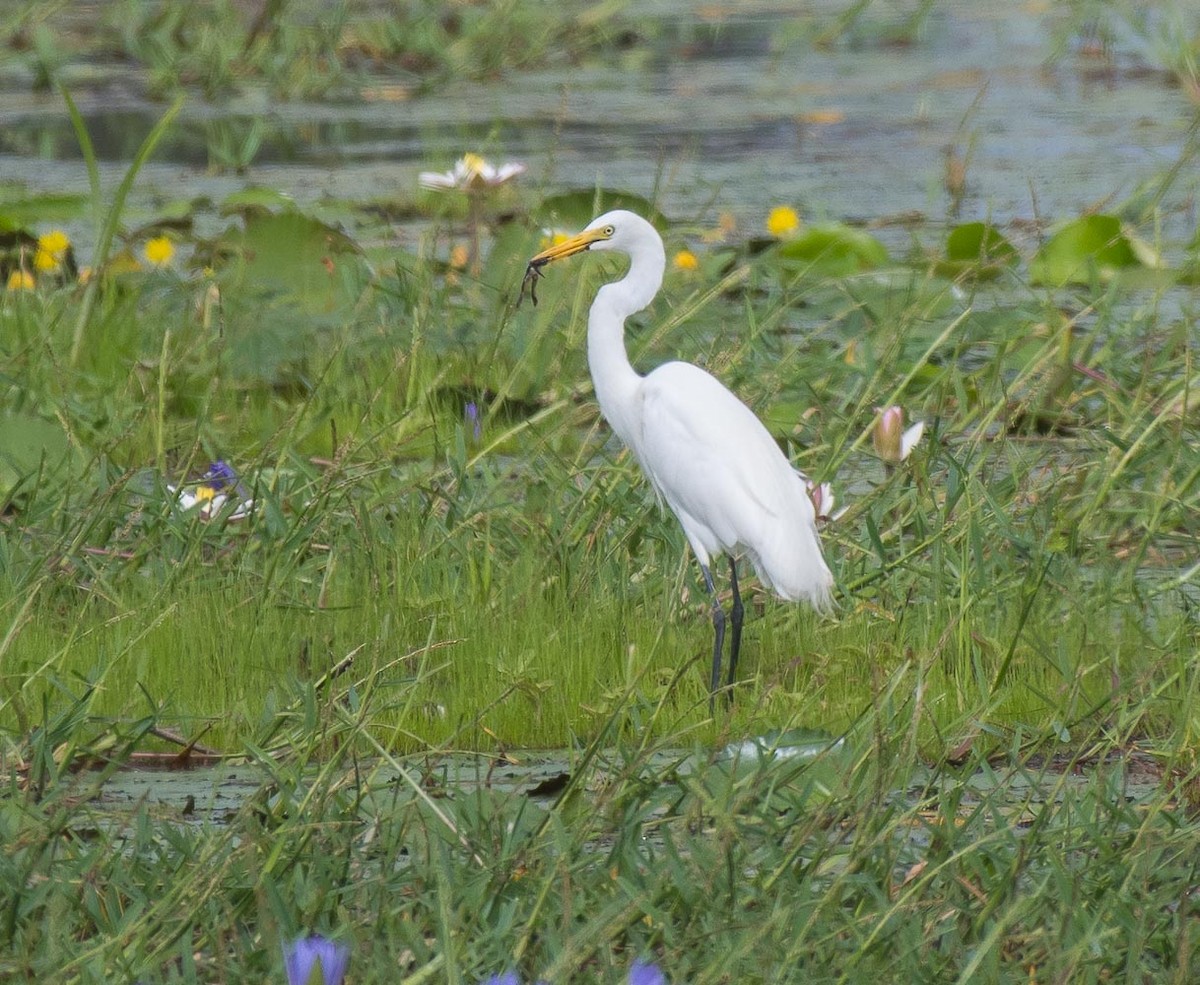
(432, 547)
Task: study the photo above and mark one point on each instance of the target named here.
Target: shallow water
(216, 795)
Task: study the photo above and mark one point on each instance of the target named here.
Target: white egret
(703, 450)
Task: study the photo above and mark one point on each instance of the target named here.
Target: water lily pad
(1094, 245)
(977, 249)
(16, 213)
(571, 211)
(296, 255)
(833, 250)
(29, 445)
(256, 200)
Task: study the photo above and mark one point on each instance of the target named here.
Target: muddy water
(731, 110)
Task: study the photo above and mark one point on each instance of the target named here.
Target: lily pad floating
(295, 255)
(833, 250)
(256, 199)
(977, 249)
(1091, 246)
(572, 210)
(16, 213)
(29, 445)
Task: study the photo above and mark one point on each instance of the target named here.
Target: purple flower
(218, 476)
(306, 954)
(644, 973)
(472, 415)
(508, 978)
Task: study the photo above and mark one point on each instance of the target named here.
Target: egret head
(616, 230)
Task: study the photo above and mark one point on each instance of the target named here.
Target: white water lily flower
(823, 499)
(471, 173)
(892, 443)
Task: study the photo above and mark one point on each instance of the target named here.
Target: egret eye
(608, 230)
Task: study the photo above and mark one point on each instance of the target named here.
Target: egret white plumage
(703, 450)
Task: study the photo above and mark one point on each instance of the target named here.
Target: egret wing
(708, 455)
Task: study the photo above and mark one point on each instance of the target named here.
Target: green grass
(857, 864)
(519, 583)
(297, 49)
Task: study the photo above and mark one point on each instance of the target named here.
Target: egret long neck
(615, 380)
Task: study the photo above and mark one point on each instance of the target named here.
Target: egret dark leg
(735, 640)
(718, 618)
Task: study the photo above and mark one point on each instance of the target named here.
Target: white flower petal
(183, 499)
(213, 506)
(823, 499)
(437, 180)
(470, 172)
(506, 172)
(909, 439)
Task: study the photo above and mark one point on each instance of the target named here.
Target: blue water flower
(306, 954)
(644, 973)
(219, 475)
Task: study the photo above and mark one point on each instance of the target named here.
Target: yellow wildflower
(783, 221)
(20, 280)
(459, 255)
(686, 260)
(553, 237)
(159, 251)
(55, 241)
(51, 249)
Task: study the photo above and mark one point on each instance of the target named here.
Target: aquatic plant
(893, 443)
(783, 221)
(159, 251)
(315, 960)
(471, 173)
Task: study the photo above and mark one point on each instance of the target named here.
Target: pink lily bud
(892, 443)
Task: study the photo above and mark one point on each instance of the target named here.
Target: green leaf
(783, 417)
(1094, 245)
(833, 250)
(22, 212)
(978, 249)
(256, 200)
(28, 445)
(293, 254)
(571, 211)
